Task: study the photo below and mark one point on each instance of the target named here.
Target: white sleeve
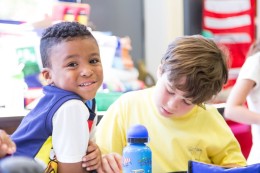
(251, 69)
(70, 133)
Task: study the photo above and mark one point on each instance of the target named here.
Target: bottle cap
(137, 134)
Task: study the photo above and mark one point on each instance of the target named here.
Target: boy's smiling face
(170, 102)
(76, 66)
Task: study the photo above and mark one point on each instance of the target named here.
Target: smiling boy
(57, 128)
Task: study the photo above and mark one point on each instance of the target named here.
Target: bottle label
(137, 162)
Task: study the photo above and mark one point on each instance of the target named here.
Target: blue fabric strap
(199, 167)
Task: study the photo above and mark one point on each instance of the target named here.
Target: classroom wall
(163, 22)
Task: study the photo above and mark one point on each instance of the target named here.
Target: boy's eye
(72, 64)
(94, 61)
(187, 102)
(171, 93)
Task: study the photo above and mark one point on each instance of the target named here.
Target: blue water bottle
(137, 156)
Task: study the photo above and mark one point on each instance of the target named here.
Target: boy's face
(170, 102)
(76, 66)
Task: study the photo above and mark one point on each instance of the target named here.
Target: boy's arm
(7, 146)
(70, 136)
(70, 167)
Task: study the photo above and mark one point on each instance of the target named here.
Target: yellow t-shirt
(200, 135)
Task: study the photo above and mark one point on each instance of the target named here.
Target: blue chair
(199, 167)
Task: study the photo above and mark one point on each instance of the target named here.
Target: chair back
(199, 167)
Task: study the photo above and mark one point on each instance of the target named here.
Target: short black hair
(55, 34)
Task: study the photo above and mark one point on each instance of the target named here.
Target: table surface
(10, 120)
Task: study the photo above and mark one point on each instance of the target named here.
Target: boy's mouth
(166, 111)
(86, 84)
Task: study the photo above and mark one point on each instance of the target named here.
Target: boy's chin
(170, 115)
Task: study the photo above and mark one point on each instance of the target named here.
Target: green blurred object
(207, 34)
(104, 100)
(27, 56)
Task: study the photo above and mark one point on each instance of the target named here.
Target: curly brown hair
(61, 32)
(201, 62)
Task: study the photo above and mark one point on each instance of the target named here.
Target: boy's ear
(47, 76)
(159, 71)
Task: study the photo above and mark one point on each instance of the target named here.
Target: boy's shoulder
(211, 109)
(212, 112)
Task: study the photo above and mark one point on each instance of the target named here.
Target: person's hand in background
(7, 146)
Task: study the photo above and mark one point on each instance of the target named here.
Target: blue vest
(36, 127)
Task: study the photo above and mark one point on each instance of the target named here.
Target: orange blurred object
(64, 11)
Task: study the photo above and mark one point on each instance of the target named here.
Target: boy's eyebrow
(77, 56)
(72, 56)
(188, 100)
(173, 88)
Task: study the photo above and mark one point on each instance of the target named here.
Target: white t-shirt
(70, 134)
(251, 70)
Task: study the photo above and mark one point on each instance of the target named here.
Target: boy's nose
(173, 102)
(86, 72)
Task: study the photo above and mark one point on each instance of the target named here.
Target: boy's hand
(111, 163)
(92, 161)
(7, 146)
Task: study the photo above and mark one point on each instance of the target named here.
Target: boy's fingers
(111, 163)
(92, 162)
(93, 167)
(90, 156)
(106, 165)
(119, 160)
